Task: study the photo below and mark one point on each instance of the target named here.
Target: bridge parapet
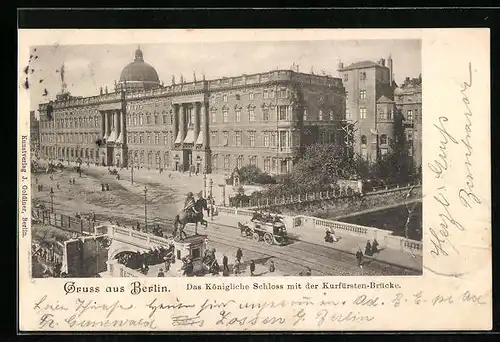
(139, 239)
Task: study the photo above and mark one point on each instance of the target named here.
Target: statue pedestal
(193, 246)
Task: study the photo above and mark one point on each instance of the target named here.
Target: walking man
(239, 254)
(252, 267)
(225, 264)
(359, 257)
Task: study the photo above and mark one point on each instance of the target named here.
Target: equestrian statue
(192, 212)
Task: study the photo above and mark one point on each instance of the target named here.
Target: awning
(189, 137)
(199, 141)
(178, 139)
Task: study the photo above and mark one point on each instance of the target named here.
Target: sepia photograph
(254, 180)
(226, 159)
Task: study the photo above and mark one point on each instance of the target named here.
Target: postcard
(254, 180)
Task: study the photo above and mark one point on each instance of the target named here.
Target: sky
(88, 67)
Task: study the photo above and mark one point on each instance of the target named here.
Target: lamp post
(132, 173)
(211, 183)
(204, 185)
(145, 209)
(52, 199)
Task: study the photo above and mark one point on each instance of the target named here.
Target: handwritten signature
(467, 194)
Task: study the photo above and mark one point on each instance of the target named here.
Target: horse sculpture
(184, 218)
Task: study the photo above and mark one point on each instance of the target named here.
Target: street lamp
(52, 199)
(204, 185)
(145, 208)
(132, 173)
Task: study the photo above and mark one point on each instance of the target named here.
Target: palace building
(263, 119)
(378, 111)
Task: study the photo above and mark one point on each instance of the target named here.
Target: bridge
(129, 240)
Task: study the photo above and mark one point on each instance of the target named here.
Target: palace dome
(139, 74)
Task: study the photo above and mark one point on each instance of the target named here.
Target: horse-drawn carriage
(271, 232)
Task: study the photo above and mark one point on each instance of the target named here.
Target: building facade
(34, 134)
(208, 126)
(370, 106)
(408, 99)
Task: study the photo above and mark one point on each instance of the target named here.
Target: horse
(184, 218)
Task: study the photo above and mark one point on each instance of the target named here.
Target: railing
(64, 222)
(335, 225)
(266, 202)
(138, 238)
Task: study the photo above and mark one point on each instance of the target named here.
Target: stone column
(204, 120)
(176, 121)
(103, 125)
(122, 127)
(196, 123)
(106, 124)
(115, 116)
(182, 121)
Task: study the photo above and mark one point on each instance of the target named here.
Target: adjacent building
(408, 99)
(263, 119)
(34, 134)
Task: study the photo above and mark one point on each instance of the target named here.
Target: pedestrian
(368, 248)
(239, 254)
(160, 273)
(138, 226)
(167, 264)
(359, 257)
(271, 266)
(107, 187)
(252, 267)
(103, 188)
(36, 180)
(236, 267)
(57, 185)
(225, 265)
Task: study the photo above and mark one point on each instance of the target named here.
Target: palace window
(227, 162)
(331, 115)
(156, 119)
(225, 115)
(265, 114)
(165, 138)
(141, 138)
(149, 139)
(251, 114)
(320, 115)
(283, 141)
(282, 112)
(382, 114)
(274, 162)
(273, 139)
(157, 138)
(250, 96)
(282, 93)
(148, 119)
(251, 136)
(271, 94)
(362, 94)
(266, 94)
(225, 138)
(237, 138)
(383, 139)
(362, 113)
(224, 98)
(409, 115)
(140, 119)
(253, 160)
(238, 115)
(267, 164)
(305, 114)
(214, 116)
(362, 75)
(239, 162)
(346, 77)
(165, 119)
(266, 139)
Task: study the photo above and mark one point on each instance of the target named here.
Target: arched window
(363, 139)
(383, 139)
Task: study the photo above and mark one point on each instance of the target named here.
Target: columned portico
(113, 149)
